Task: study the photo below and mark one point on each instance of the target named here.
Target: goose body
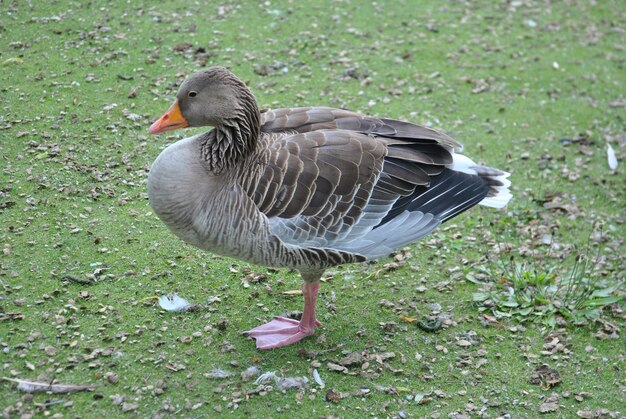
(305, 188)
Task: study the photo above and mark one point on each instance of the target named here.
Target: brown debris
(545, 377)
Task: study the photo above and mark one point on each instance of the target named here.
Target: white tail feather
(497, 179)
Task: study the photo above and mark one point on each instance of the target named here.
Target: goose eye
(192, 94)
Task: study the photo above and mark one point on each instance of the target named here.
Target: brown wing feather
(333, 172)
(320, 173)
(307, 119)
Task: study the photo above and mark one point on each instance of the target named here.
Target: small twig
(152, 297)
(38, 386)
(51, 403)
(73, 278)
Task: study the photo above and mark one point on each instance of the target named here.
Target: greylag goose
(305, 188)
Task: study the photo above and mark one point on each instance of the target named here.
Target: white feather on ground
(317, 378)
(172, 302)
(612, 158)
(250, 372)
(283, 383)
(218, 373)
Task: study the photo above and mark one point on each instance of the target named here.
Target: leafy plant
(529, 294)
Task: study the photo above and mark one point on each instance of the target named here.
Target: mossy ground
(534, 88)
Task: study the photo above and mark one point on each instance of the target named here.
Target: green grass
(75, 156)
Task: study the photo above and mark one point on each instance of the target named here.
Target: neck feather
(232, 141)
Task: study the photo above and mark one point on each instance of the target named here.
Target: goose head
(212, 97)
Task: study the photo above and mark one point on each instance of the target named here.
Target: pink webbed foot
(280, 332)
(283, 331)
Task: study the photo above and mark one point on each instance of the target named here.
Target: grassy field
(532, 87)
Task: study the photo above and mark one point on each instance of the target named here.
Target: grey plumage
(310, 187)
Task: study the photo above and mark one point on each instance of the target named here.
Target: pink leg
(283, 331)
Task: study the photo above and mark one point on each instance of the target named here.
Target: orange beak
(171, 120)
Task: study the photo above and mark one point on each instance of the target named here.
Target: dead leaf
(12, 61)
(545, 377)
(548, 407)
(335, 367)
(619, 103)
(127, 407)
(81, 281)
(172, 366)
(353, 358)
(332, 396)
(11, 316)
(182, 47)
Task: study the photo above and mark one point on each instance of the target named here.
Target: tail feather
(499, 194)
